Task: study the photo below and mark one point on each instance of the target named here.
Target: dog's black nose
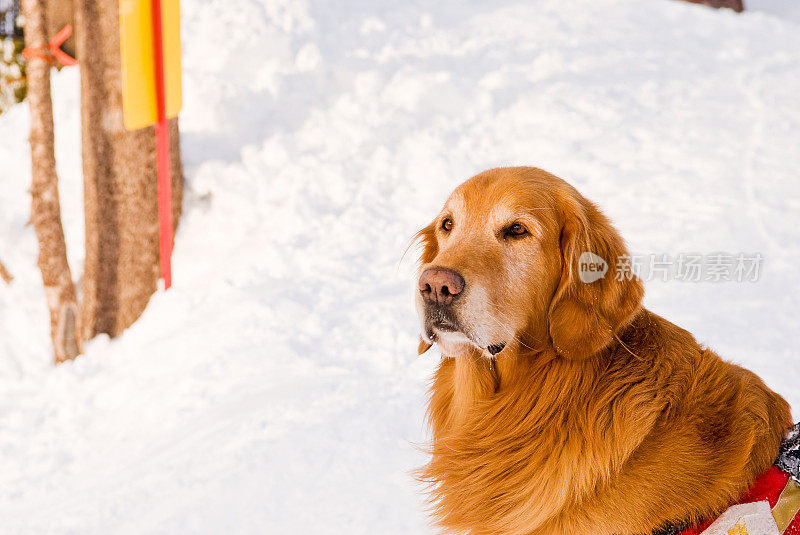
(440, 285)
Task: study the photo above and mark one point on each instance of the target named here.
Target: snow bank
(276, 389)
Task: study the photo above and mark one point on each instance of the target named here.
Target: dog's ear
(423, 346)
(598, 293)
(426, 238)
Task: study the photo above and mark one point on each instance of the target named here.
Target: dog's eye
(516, 230)
(447, 225)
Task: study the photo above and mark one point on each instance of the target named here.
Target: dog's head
(518, 258)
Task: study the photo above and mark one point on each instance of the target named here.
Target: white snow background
(276, 388)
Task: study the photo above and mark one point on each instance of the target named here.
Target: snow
(276, 387)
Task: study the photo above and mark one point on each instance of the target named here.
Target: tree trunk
(736, 5)
(120, 196)
(45, 208)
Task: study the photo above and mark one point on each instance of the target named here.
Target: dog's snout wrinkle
(440, 285)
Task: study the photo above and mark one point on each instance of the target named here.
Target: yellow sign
(138, 64)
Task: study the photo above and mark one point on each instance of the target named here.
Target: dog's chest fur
(519, 444)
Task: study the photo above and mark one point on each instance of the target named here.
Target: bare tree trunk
(736, 5)
(120, 196)
(45, 209)
(4, 274)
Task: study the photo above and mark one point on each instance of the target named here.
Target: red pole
(164, 179)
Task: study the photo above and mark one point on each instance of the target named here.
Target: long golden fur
(597, 416)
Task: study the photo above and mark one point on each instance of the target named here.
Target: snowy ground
(276, 388)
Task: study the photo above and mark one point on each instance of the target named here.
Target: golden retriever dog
(563, 407)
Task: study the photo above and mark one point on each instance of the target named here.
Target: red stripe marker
(163, 173)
